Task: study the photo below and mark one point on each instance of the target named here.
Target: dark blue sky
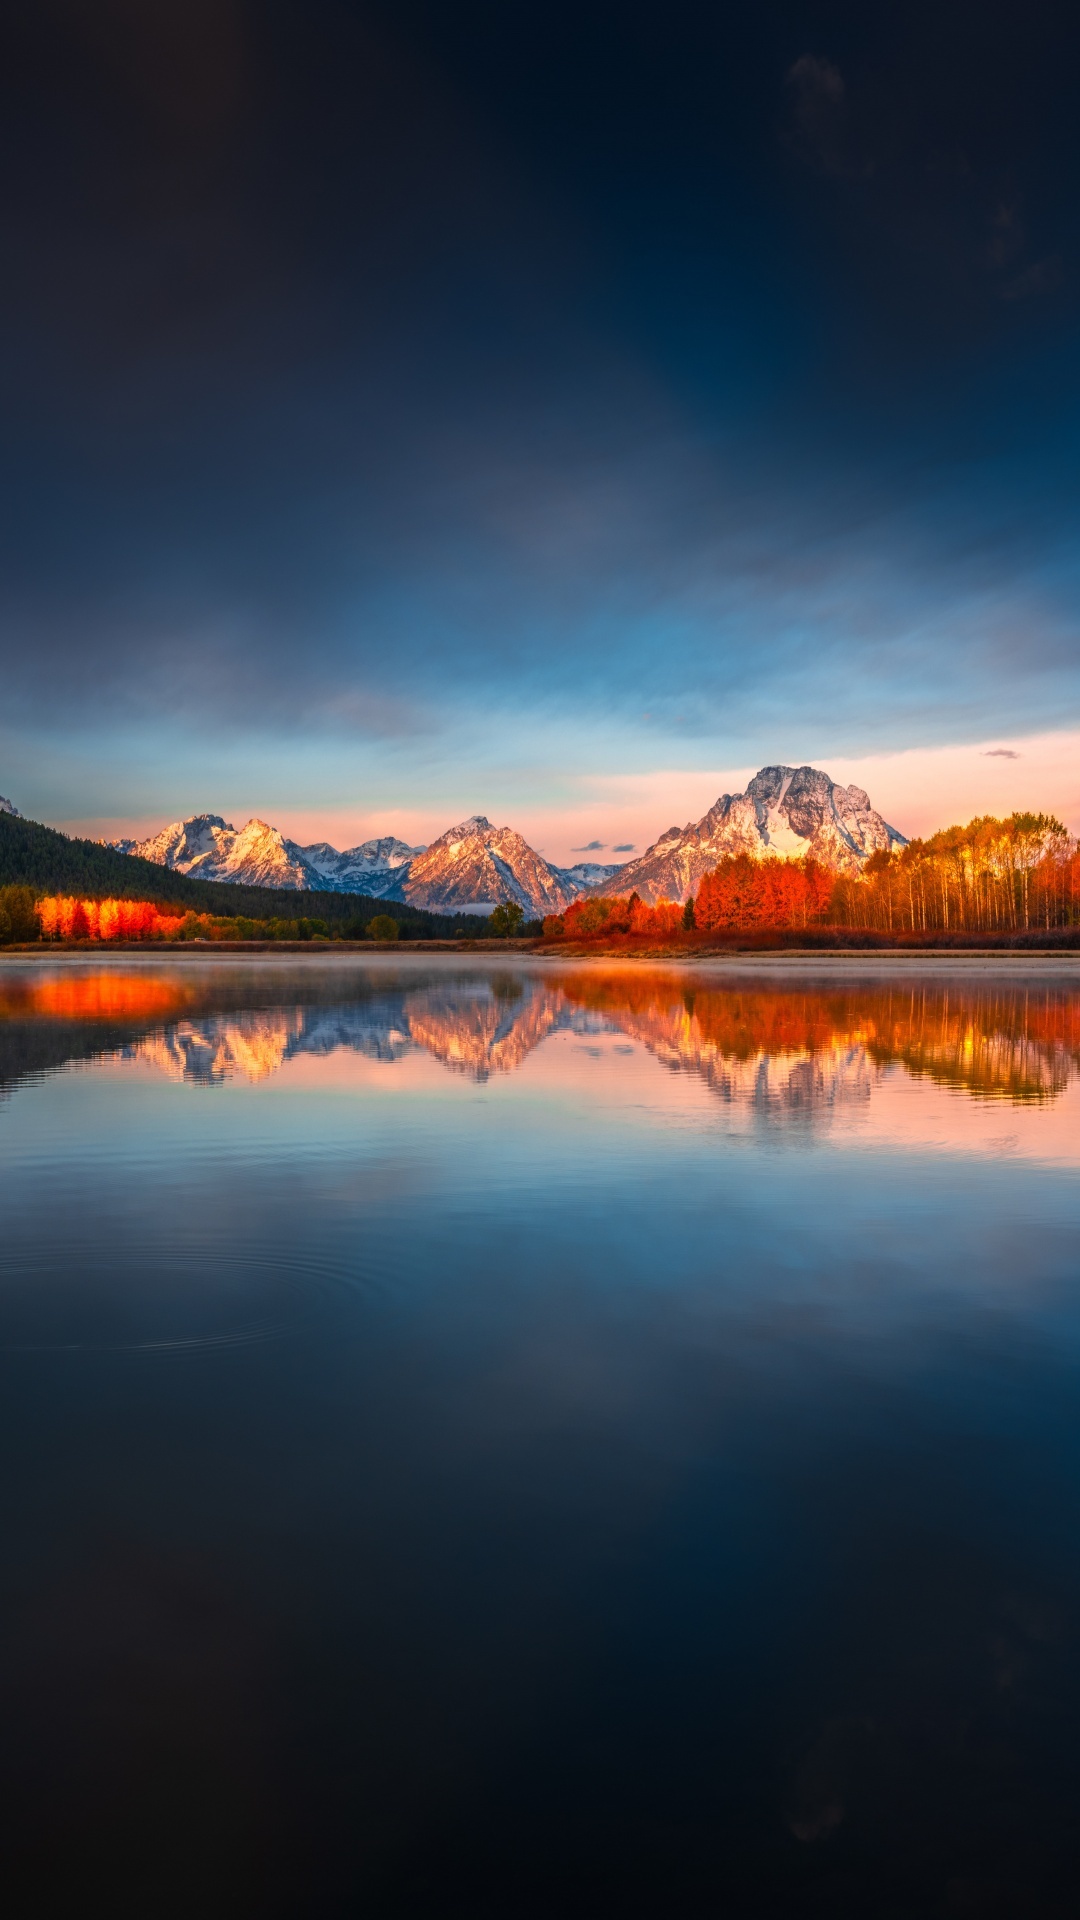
(425, 406)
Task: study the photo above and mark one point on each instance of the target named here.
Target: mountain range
(372, 868)
(785, 811)
(470, 868)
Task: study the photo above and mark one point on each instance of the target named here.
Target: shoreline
(836, 962)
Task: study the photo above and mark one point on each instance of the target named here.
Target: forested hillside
(50, 862)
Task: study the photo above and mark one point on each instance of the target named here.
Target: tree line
(26, 916)
(991, 876)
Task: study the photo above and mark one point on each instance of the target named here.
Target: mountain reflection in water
(491, 1439)
(800, 1046)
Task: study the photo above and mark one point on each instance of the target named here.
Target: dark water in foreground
(486, 1442)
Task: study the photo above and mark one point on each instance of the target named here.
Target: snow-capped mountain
(472, 867)
(589, 874)
(209, 848)
(788, 811)
(372, 868)
(6, 807)
(476, 865)
(259, 856)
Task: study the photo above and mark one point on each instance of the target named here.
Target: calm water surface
(491, 1440)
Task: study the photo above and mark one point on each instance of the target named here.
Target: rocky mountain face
(475, 866)
(6, 807)
(788, 811)
(479, 866)
(374, 867)
(209, 848)
(472, 867)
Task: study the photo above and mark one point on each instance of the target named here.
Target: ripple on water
(61, 1297)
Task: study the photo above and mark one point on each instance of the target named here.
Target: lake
(501, 1439)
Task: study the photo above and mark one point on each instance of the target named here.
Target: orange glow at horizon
(918, 789)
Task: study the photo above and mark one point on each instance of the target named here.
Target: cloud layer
(387, 400)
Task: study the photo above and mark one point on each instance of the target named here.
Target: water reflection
(777, 1044)
(517, 1440)
(247, 1046)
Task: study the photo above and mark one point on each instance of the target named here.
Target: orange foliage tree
(604, 917)
(991, 876)
(741, 891)
(63, 917)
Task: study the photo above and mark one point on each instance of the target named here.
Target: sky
(556, 412)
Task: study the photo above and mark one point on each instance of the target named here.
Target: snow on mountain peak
(467, 829)
(786, 811)
(477, 863)
(260, 855)
(210, 848)
(6, 807)
(375, 867)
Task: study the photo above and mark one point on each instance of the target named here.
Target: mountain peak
(785, 811)
(375, 868)
(6, 807)
(476, 823)
(475, 866)
(210, 848)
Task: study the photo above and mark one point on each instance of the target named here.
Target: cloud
(1045, 276)
(816, 96)
(594, 846)
(283, 525)
(1000, 753)
(624, 847)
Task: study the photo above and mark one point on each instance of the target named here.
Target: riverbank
(817, 943)
(834, 963)
(197, 949)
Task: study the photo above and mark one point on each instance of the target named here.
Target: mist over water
(491, 1438)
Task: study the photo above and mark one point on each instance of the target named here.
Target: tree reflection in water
(779, 1040)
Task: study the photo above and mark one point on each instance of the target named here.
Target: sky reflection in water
(491, 1439)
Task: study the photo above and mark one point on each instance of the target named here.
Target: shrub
(383, 928)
